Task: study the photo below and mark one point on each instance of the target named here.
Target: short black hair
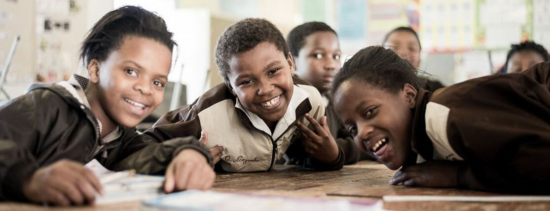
(525, 46)
(297, 36)
(109, 32)
(378, 67)
(403, 29)
(244, 36)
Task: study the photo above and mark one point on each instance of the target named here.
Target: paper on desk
(130, 188)
(466, 198)
(97, 168)
(211, 200)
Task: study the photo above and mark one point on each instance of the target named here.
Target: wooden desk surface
(364, 181)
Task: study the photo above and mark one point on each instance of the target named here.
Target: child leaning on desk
(260, 113)
(47, 134)
(490, 133)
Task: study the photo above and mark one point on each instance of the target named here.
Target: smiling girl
(48, 134)
(490, 133)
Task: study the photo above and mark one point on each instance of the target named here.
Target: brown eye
(318, 56)
(336, 57)
(130, 71)
(158, 83)
(369, 113)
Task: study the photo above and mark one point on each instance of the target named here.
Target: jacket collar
(420, 142)
(297, 107)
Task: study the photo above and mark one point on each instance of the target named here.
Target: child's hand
(434, 174)
(319, 143)
(216, 151)
(189, 170)
(63, 183)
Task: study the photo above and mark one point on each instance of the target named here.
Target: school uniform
(54, 122)
(249, 144)
(343, 138)
(497, 128)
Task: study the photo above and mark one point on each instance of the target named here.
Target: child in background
(50, 132)
(490, 133)
(261, 113)
(523, 56)
(404, 41)
(316, 51)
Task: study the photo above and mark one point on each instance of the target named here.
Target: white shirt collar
(298, 96)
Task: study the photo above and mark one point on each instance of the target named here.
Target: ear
(290, 61)
(93, 70)
(230, 88)
(410, 95)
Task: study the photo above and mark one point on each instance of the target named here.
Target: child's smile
(137, 108)
(131, 80)
(378, 120)
(261, 80)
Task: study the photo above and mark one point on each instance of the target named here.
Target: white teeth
(139, 105)
(271, 102)
(378, 144)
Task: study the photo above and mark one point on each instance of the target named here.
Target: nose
(329, 64)
(143, 86)
(363, 134)
(403, 53)
(265, 88)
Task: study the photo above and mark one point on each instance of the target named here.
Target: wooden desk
(364, 181)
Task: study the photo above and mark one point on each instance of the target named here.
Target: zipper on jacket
(96, 126)
(273, 153)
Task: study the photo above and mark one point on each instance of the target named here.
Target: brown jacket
(497, 127)
(249, 145)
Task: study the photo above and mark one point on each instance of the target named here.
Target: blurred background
(461, 39)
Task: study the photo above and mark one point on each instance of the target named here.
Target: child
(524, 55)
(404, 41)
(490, 133)
(316, 51)
(256, 113)
(47, 134)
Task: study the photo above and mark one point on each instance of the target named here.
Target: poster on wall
(447, 26)
(500, 23)
(386, 15)
(541, 22)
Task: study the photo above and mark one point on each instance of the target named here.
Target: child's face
(131, 80)
(319, 60)
(377, 119)
(523, 60)
(262, 81)
(406, 46)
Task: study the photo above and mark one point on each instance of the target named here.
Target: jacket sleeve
(506, 140)
(23, 122)
(147, 156)
(152, 151)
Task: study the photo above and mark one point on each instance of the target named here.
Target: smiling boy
(256, 113)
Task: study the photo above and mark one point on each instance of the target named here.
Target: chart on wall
(447, 26)
(500, 23)
(541, 22)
